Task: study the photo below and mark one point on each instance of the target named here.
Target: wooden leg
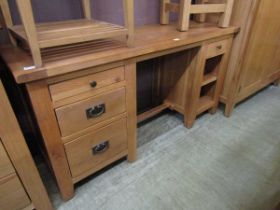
(221, 76)
(130, 77)
(201, 18)
(195, 79)
(87, 9)
(128, 6)
(164, 14)
(184, 15)
(42, 107)
(226, 16)
(25, 10)
(229, 109)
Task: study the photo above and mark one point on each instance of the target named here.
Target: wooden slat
(69, 32)
(146, 115)
(198, 9)
(204, 103)
(208, 8)
(209, 78)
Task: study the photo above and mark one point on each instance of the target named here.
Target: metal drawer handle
(96, 111)
(100, 148)
(93, 84)
(219, 47)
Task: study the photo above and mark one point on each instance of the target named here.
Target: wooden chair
(46, 35)
(185, 8)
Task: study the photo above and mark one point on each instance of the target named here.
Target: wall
(146, 11)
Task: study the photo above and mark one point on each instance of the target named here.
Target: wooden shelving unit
(209, 78)
(46, 35)
(202, 7)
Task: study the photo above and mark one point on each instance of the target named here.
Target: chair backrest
(185, 8)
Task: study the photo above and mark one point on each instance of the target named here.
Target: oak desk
(84, 97)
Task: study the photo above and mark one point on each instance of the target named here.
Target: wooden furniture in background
(47, 35)
(20, 184)
(185, 9)
(254, 62)
(84, 100)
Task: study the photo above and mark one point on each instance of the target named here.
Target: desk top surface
(149, 39)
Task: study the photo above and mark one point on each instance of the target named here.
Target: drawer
(6, 166)
(13, 195)
(99, 147)
(89, 83)
(217, 48)
(83, 114)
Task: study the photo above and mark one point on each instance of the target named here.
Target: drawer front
(78, 116)
(98, 147)
(13, 195)
(89, 83)
(6, 166)
(217, 48)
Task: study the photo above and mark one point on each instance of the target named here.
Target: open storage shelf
(205, 103)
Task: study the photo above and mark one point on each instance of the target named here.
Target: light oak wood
(63, 65)
(196, 79)
(19, 154)
(184, 15)
(81, 85)
(150, 113)
(6, 167)
(254, 62)
(185, 8)
(164, 13)
(201, 18)
(131, 108)
(148, 43)
(128, 6)
(39, 36)
(41, 102)
(25, 10)
(217, 48)
(12, 194)
(73, 118)
(80, 151)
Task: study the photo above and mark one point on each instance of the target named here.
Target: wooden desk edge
(17, 59)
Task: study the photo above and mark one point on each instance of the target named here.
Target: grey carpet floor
(220, 164)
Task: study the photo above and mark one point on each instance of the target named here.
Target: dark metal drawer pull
(96, 111)
(219, 47)
(100, 148)
(93, 84)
